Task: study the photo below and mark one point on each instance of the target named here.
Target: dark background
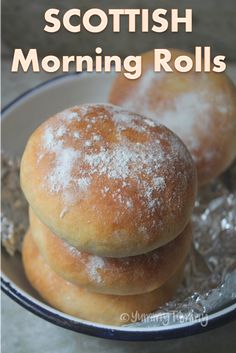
(214, 24)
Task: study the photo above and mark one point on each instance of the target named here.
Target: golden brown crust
(120, 276)
(108, 181)
(198, 107)
(81, 303)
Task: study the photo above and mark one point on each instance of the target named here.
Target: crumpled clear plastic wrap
(210, 271)
(14, 213)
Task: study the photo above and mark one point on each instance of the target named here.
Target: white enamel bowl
(19, 119)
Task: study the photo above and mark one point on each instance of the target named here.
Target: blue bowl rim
(108, 332)
(117, 333)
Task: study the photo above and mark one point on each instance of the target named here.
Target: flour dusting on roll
(108, 181)
(199, 107)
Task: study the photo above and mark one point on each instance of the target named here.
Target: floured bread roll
(79, 302)
(108, 181)
(120, 276)
(199, 107)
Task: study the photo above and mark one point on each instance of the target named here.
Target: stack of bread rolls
(111, 195)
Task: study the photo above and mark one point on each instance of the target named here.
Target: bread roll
(107, 181)
(199, 107)
(76, 301)
(120, 276)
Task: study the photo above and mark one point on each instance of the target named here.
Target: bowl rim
(125, 333)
